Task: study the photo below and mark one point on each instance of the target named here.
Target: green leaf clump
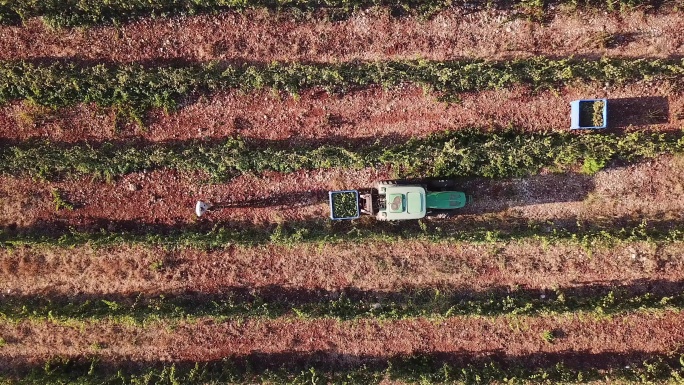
(345, 205)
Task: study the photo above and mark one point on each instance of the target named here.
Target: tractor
(399, 200)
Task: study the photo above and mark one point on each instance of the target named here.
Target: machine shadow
(293, 199)
(491, 196)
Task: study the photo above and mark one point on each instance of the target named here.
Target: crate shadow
(641, 111)
(293, 199)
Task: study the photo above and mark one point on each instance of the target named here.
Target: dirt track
(377, 267)
(371, 114)
(367, 36)
(652, 190)
(204, 341)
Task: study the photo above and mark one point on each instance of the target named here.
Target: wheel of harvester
(439, 215)
(441, 185)
(386, 182)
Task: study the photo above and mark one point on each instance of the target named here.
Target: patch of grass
(656, 115)
(274, 302)
(326, 231)
(591, 166)
(548, 336)
(59, 202)
(32, 115)
(96, 346)
(157, 265)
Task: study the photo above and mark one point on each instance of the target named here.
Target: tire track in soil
(370, 114)
(497, 35)
(207, 341)
(649, 190)
(334, 268)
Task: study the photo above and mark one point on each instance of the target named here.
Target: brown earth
(392, 115)
(650, 190)
(168, 197)
(259, 36)
(206, 340)
(375, 267)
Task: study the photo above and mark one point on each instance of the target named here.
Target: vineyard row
(580, 367)
(222, 235)
(69, 13)
(278, 302)
(133, 88)
(462, 153)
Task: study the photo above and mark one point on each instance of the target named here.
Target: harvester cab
(398, 200)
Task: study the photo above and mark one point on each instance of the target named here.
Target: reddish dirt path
(651, 190)
(206, 340)
(168, 197)
(367, 36)
(370, 114)
(378, 267)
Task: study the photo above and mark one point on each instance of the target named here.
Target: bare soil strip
(374, 35)
(168, 197)
(206, 340)
(650, 190)
(370, 114)
(374, 267)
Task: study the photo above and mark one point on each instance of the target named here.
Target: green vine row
(424, 369)
(281, 302)
(463, 153)
(133, 88)
(70, 13)
(222, 235)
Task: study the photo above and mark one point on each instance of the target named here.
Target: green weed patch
(451, 154)
(133, 89)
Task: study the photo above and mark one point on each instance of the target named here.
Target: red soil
(207, 340)
(366, 36)
(168, 197)
(370, 114)
(378, 266)
(651, 190)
